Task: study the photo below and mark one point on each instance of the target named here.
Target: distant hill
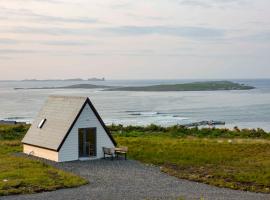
(76, 86)
(96, 79)
(195, 86)
(72, 79)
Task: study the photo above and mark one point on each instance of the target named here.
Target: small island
(195, 86)
(96, 79)
(76, 86)
(71, 79)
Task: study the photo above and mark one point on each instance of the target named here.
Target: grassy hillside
(237, 159)
(21, 175)
(196, 86)
(236, 163)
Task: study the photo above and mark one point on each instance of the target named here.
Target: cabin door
(87, 142)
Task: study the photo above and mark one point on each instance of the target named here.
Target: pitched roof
(61, 113)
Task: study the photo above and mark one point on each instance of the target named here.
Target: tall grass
(234, 163)
(21, 175)
(182, 131)
(13, 132)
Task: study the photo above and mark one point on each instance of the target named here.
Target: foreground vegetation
(220, 157)
(20, 175)
(182, 131)
(237, 159)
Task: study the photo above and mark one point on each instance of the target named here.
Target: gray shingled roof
(60, 113)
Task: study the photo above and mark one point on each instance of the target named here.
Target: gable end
(98, 117)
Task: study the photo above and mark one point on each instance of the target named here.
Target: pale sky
(142, 39)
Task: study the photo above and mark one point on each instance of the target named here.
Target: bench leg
(125, 156)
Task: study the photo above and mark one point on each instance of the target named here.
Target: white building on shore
(67, 129)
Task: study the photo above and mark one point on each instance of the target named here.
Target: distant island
(72, 79)
(195, 86)
(76, 86)
(96, 79)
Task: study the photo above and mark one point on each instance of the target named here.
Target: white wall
(70, 150)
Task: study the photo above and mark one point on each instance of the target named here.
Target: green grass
(234, 163)
(13, 132)
(181, 131)
(237, 159)
(20, 175)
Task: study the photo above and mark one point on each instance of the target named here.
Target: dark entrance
(87, 142)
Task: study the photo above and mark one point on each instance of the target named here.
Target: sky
(142, 39)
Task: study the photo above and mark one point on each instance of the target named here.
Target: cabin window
(42, 122)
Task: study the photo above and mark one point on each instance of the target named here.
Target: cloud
(47, 31)
(209, 3)
(8, 41)
(40, 1)
(191, 32)
(180, 31)
(260, 37)
(66, 43)
(25, 14)
(47, 18)
(5, 57)
(16, 51)
(195, 3)
(120, 5)
(72, 42)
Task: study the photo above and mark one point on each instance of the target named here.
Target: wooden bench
(108, 151)
(121, 151)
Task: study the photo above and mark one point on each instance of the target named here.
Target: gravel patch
(131, 180)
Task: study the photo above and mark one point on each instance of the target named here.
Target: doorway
(87, 142)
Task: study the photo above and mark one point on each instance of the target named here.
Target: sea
(244, 109)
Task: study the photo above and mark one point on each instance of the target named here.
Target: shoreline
(201, 125)
(179, 87)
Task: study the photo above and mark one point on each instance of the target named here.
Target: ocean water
(245, 109)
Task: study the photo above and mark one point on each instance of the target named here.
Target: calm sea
(245, 109)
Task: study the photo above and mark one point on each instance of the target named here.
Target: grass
(237, 159)
(12, 132)
(181, 131)
(23, 176)
(236, 163)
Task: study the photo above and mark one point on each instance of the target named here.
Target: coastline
(200, 124)
(245, 108)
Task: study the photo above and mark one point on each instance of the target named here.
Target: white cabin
(67, 129)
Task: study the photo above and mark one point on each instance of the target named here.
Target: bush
(182, 131)
(13, 132)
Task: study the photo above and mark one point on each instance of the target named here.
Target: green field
(237, 159)
(233, 161)
(20, 175)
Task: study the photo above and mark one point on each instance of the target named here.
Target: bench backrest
(108, 150)
(125, 149)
